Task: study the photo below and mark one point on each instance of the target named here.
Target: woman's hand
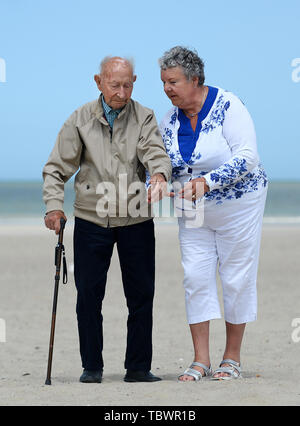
(194, 189)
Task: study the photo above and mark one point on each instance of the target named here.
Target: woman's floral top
(225, 152)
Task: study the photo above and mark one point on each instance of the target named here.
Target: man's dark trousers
(93, 247)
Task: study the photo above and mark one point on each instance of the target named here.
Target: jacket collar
(99, 112)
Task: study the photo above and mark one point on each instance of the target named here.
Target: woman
(210, 138)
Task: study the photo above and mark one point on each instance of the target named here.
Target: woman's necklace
(202, 103)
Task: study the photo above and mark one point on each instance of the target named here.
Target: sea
(21, 202)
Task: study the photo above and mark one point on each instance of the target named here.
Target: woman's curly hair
(191, 64)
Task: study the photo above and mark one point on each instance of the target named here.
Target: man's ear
(97, 79)
(134, 78)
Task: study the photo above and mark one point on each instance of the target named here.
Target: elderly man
(114, 142)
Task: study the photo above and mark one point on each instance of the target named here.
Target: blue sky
(52, 49)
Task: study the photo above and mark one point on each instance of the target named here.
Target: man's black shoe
(91, 376)
(140, 376)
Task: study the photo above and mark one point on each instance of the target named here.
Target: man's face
(116, 83)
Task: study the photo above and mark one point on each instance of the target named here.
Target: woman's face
(177, 87)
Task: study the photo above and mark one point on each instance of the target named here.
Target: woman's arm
(239, 132)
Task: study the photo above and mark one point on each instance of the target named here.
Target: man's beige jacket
(114, 159)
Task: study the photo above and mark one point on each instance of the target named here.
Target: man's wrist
(51, 211)
(160, 174)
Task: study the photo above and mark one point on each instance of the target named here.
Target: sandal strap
(234, 369)
(237, 366)
(190, 371)
(228, 370)
(207, 370)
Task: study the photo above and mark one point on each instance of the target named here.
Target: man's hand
(52, 220)
(158, 188)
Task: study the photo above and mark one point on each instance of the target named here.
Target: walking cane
(59, 251)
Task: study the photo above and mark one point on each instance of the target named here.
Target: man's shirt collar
(110, 114)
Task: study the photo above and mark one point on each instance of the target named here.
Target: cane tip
(48, 382)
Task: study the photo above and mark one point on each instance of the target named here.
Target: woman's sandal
(195, 373)
(234, 370)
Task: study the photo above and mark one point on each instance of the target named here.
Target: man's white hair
(107, 59)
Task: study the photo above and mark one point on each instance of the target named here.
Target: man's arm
(152, 154)
(63, 162)
(151, 150)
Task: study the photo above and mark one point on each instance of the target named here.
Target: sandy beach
(270, 356)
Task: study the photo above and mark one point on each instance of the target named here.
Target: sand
(270, 355)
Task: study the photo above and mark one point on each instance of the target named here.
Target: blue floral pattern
(248, 183)
(169, 142)
(230, 172)
(217, 115)
(173, 118)
(232, 177)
